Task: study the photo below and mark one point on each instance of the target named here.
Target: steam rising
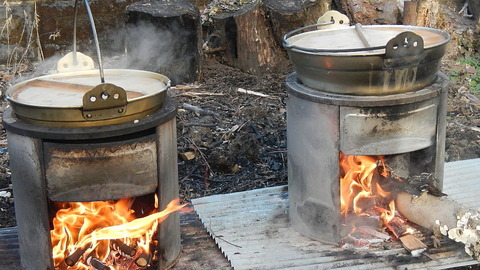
(145, 46)
(149, 48)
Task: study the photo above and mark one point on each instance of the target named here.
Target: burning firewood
(96, 263)
(371, 231)
(450, 218)
(397, 226)
(143, 260)
(124, 249)
(73, 258)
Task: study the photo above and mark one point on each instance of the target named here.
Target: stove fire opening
(120, 234)
(369, 186)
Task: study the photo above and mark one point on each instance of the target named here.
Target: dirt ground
(230, 141)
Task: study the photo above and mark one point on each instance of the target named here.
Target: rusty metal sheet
(96, 171)
(253, 231)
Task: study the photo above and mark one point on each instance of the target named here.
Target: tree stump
(410, 13)
(430, 14)
(288, 15)
(474, 8)
(165, 37)
(243, 37)
(373, 11)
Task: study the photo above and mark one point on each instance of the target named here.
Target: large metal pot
(366, 60)
(75, 99)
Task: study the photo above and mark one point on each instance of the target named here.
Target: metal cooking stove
(409, 128)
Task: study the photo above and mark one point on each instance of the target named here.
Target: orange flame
(358, 189)
(88, 225)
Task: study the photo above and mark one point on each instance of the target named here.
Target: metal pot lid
(77, 99)
(357, 40)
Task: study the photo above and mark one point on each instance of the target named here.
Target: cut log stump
(165, 37)
(244, 38)
(372, 11)
(474, 8)
(288, 15)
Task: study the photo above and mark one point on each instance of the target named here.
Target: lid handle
(404, 50)
(104, 101)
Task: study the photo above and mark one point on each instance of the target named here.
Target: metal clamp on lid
(104, 101)
(404, 50)
(332, 19)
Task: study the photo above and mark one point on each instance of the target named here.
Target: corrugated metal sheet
(9, 256)
(252, 230)
(462, 182)
(198, 249)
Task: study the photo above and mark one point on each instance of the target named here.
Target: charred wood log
(287, 15)
(143, 260)
(244, 38)
(73, 258)
(96, 263)
(165, 37)
(445, 216)
(123, 248)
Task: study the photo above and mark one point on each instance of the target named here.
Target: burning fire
(87, 235)
(362, 194)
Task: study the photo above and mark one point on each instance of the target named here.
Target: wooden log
(288, 15)
(165, 37)
(426, 209)
(410, 13)
(245, 37)
(143, 260)
(73, 258)
(474, 8)
(123, 248)
(430, 14)
(372, 11)
(96, 263)
(448, 217)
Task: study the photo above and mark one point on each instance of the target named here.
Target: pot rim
(10, 91)
(370, 51)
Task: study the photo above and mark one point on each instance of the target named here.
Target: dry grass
(27, 46)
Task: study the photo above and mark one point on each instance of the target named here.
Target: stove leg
(169, 232)
(441, 134)
(31, 208)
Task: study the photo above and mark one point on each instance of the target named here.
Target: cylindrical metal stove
(111, 162)
(321, 125)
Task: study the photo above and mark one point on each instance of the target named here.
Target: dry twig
(250, 92)
(465, 126)
(197, 94)
(198, 109)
